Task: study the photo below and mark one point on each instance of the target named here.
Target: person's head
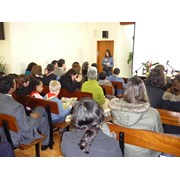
(54, 86)
(160, 66)
(75, 63)
(22, 81)
(77, 68)
(71, 74)
(35, 85)
(156, 78)
(116, 71)
(175, 87)
(50, 68)
(107, 53)
(135, 91)
(36, 70)
(92, 73)
(102, 75)
(88, 116)
(55, 63)
(94, 65)
(30, 66)
(85, 65)
(7, 85)
(61, 64)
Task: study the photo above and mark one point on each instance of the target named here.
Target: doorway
(102, 46)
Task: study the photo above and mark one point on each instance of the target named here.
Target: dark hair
(54, 62)
(22, 78)
(156, 78)
(50, 68)
(108, 53)
(88, 115)
(6, 83)
(75, 63)
(61, 62)
(102, 75)
(32, 85)
(69, 73)
(175, 87)
(94, 65)
(2, 74)
(30, 66)
(116, 71)
(77, 68)
(85, 65)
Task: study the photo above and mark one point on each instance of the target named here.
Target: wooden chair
(8, 123)
(108, 90)
(169, 117)
(50, 106)
(117, 85)
(160, 142)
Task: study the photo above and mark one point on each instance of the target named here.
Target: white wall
(126, 33)
(157, 42)
(5, 47)
(44, 42)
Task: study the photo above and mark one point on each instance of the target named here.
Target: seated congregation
(89, 134)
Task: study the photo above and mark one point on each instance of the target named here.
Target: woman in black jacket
(70, 80)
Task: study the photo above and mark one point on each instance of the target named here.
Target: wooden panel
(11, 121)
(148, 139)
(126, 23)
(32, 102)
(169, 117)
(107, 89)
(78, 94)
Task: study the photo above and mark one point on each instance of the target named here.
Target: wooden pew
(169, 117)
(160, 142)
(108, 90)
(50, 106)
(65, 93)
(9, 122)
(117, 85)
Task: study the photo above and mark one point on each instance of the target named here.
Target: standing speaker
(105, 34)
(2, 31)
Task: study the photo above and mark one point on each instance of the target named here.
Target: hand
(35, 115)
(79, 78)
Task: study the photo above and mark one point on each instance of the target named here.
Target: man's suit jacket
(28, 126)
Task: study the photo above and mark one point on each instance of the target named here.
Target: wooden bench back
(32, 102)
(78, 94)
(160, 142)
(117, 85)
(11, 121)
(107, 89)
(169, 117)
(65, 93)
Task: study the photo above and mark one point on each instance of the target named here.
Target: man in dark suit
(31, 125)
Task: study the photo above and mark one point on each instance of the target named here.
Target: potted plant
(130, 57)
(3, 66)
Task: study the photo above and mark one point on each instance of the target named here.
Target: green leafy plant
(3, 66)
(130, 57)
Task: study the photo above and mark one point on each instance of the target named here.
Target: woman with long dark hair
(87, 138)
